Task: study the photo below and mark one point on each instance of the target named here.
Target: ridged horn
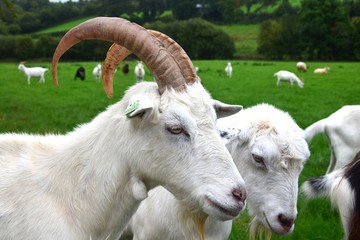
(134, 38)
(114, 57)
(116, 54)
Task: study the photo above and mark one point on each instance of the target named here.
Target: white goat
(323, 70)
(97, 72)
(87, 184)
(269, 150)
(139, 72)
(343, 189)
(33, 72)
(342, 128)
(286, 76)
(228, 69)
(301, 67)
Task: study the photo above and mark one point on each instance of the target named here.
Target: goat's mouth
(230, 211)
(268, 224)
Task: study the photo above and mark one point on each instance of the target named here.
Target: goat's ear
(224, 110)
(138, 106)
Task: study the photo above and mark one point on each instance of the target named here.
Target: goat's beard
(193, 220)
(258, 229)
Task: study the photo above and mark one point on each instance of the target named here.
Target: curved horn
(117, 53)
(114, 57)
(131, 36)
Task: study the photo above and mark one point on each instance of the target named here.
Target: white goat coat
(88, 183)
(33, 72)
(301, 66)
(139, 72)
(228, 69)
(342, 128)
(324, 70)
(286, 76)
(272, 190)
(97, 72)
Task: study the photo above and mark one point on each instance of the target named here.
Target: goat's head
(182, 150)
(269, 150)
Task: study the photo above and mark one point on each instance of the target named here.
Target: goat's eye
(258, 159)
(175, 130)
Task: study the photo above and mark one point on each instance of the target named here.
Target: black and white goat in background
(343, 189)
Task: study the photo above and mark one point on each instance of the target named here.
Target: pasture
(40, 108)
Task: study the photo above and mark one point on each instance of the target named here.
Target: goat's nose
(286, 222)
(239, 194)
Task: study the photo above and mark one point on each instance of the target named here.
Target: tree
(199, 38)
(270, 39)
(325, 30)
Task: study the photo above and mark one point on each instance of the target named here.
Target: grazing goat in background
(301, 67)
(126, 69)
(33, 72)
(87, 184)
(342, 129)
(268, 148)
(139, 72)
(286, 76)
(228, 69)
(97, 72)
(323, 70)
(80, 73)
(343, 188)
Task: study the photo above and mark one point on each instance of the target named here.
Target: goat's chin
(222, 211)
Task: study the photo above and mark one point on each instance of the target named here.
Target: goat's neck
(100, 177)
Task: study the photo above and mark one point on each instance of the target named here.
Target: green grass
(40, 108)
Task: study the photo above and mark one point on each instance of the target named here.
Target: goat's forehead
(197, 103)
(282, 149)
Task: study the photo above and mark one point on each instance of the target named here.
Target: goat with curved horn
(134, 38)
(117, 53)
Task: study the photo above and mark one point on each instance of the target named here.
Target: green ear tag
(131, 108)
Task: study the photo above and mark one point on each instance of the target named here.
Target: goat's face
(184, 152)
(270, 163)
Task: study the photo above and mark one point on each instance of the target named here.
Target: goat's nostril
(239, 194)
(285, 222)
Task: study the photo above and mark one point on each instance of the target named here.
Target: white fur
(301, 66)
(342, 129)
(323, 70)
(262, 130)
(139, 72)
(97, 72)
(33, 72)
(336, 187)
(286, 76)
(88, 183)
(228, 69)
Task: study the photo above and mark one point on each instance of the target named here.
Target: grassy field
(245, 39)
(40, 108)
